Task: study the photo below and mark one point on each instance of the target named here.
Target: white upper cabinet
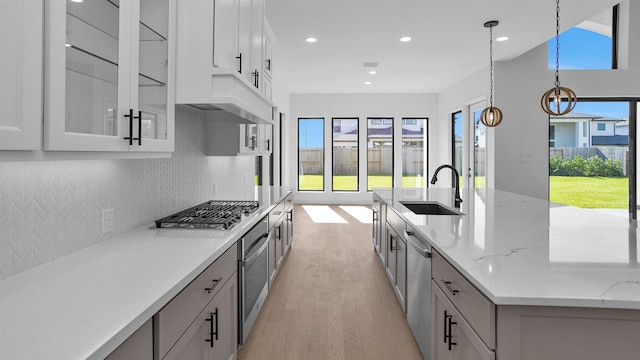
(109, 75)
(219, 58)
(257, 41)
(21, 74)
(226, 53)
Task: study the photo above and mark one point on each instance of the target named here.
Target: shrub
(578, 166)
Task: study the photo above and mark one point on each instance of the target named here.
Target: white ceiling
(449, 40)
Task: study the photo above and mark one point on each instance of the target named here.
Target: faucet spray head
(434, 179)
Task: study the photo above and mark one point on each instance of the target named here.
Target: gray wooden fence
(345, 161)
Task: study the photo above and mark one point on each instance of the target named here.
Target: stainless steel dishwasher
(419, 289)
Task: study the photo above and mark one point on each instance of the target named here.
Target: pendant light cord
(491, 65)
(557, 44)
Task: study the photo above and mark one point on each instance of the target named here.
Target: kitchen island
(544, 268)
(84, 305)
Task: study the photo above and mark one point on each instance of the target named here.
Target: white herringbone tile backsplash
(49, 209)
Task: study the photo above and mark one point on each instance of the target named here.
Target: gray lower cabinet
(453, 337)
(281, 234)
(468, 326)
(201, 322)
(396, 256)
(214, 333)
(138, 346)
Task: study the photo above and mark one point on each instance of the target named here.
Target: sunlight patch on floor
(323, 214)
(361, 213)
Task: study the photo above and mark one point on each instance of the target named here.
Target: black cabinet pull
(290, 215)
(213, 323)
(375, 215)
(139, 138)
(269, 64)
(131, 117)
(268, 144)
(255, 74)
(213, 285)
(391, 248)
(450, 335)
(444, 323)
(447, 284)
(239, 57)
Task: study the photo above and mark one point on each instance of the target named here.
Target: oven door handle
(261, 248)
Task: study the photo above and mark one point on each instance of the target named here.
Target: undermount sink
(429, 208)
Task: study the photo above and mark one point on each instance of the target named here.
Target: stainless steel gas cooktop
(212, 214)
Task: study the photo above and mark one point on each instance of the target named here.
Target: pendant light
(551, 101)
(491, 116)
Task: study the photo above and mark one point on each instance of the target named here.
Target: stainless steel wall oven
(253, 274)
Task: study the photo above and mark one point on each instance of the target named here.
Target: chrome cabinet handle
(447, 284)
(213, 285)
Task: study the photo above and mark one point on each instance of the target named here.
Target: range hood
(228, 95)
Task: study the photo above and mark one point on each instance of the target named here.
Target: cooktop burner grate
(212, 214)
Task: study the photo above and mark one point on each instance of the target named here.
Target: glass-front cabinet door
(107, 75)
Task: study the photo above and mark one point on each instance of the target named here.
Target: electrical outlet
(108, 220)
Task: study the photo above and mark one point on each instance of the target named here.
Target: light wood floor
(331, 300)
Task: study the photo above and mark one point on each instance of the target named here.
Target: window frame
(425, 144)
(393, 165)
(357, 120)
(323, 153)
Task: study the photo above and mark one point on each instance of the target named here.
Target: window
(311, 154)
(590, 45)
(414, 152)
(480, 152)
(345, 154)
(379, 153)
(593, 172)
(456, 143)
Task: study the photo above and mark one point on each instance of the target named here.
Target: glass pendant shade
(491, 116)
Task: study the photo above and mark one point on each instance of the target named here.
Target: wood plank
(331, 299)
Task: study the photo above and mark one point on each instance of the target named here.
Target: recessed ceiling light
(367, 82)
(405, 38)
(77, 1)
(502, 38)
(310, 39)
(373, 72)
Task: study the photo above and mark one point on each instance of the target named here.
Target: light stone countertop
(519, 250)
(83, 305)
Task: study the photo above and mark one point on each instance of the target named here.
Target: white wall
(361, 106)
(53, 208)
(520, 144)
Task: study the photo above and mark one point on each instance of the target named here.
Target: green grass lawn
(350, 182)
(584, 192)
(590, 192)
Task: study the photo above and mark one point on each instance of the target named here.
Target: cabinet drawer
(472, 304)
(275, 214)
(175, 317)
(396, 222)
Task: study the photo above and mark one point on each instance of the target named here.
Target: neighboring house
(585, 130)
(379, 133)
